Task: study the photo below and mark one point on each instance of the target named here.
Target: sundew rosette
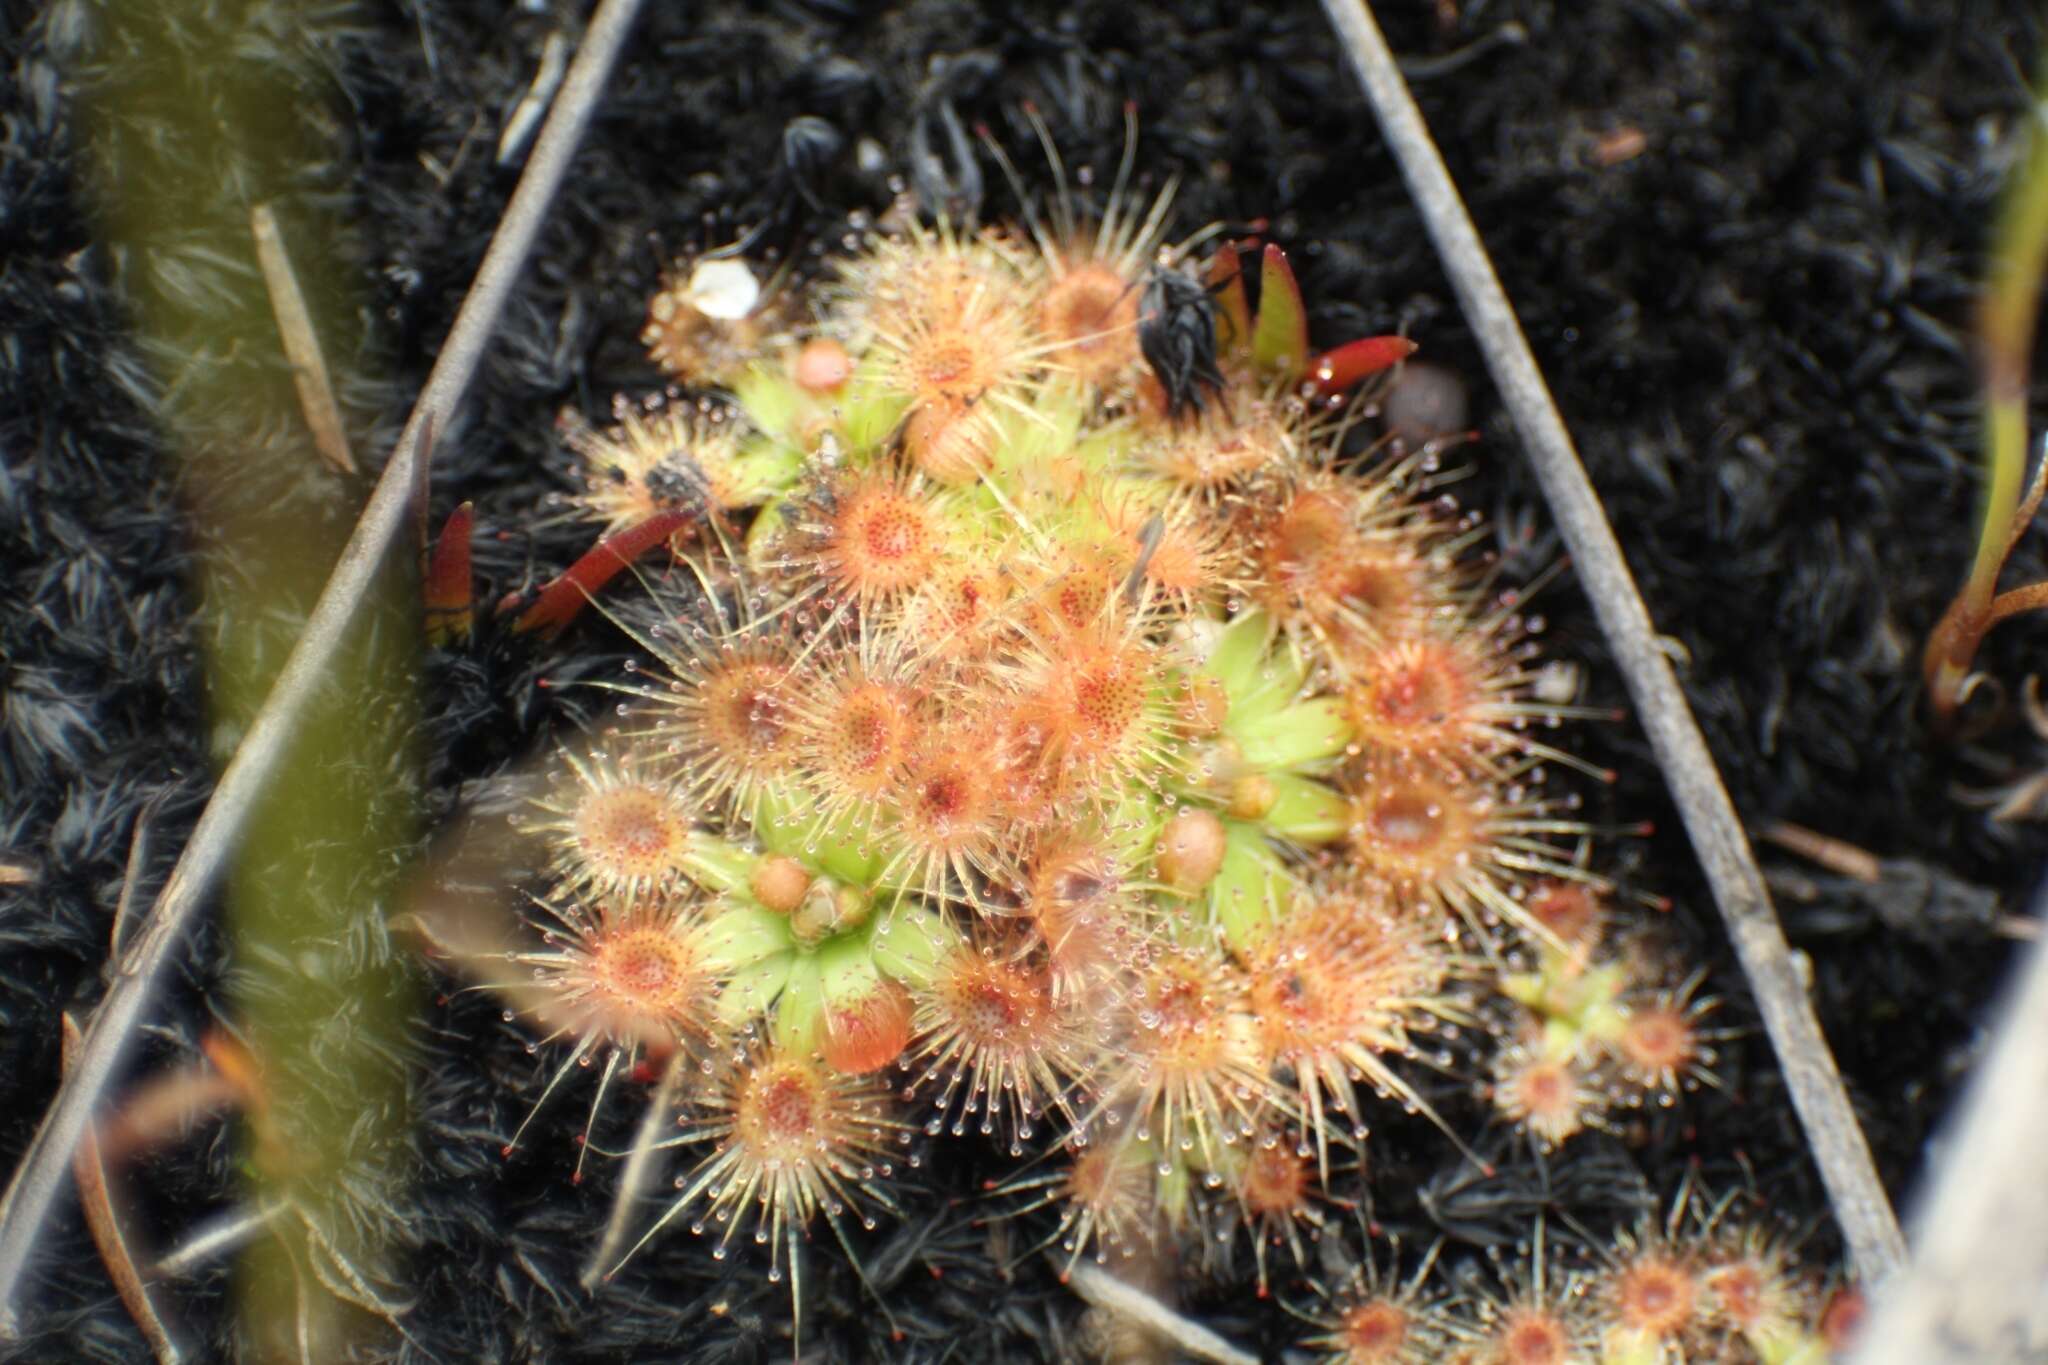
(1067, 727)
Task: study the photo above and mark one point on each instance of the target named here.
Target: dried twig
(97, 1199)
(131, 878)
(40, 1176)
(221, 1236)
(525, 115)
(1838, 1145)
(1836, 855)
(301, 344)
(1112, 1295)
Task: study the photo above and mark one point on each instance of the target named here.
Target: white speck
(725, 289)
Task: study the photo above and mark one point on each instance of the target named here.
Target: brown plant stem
(96, 1196)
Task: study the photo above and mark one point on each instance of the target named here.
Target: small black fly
(1177, 334)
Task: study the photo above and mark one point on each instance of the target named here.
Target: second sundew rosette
(1061, 733)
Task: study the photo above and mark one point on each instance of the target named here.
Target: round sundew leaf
(1052, 431)
(753, 989)
(1524, 988)
(870, 417)
(1306, 811)
(800, 1012)
(1605, 1021)
(1561, 1041)
(1293, 737)
(1583, 998)
(1129, 828)
(1234, 654)
(854, 860)
(762, 469)
(910, 943)
(769, 397)
(763, 536)
(743, 936)
(868, 1017)
(1253, 889)
(717, 864)
(1107, 449)
(1595, 1007)
(837, 850)
(1276, 683)
(846, 969)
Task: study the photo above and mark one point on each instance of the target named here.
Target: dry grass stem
(1836, 855)
(1107, 1292)
(526, 115)
(301, 344)
(638, 1173)
(1836, 1140)
(222, 1236)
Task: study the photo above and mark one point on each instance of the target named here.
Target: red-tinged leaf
(448, 589)
(563, 599)
(1280, 336)
(1332, 372)
(1233, 313)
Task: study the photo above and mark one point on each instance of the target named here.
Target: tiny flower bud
(1252, 797)
(780, 883)
(823, 366)
(828, 908)
(1191, 849)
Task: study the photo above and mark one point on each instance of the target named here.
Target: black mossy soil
(1757, 326)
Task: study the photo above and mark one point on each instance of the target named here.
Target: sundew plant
(1069, 725)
